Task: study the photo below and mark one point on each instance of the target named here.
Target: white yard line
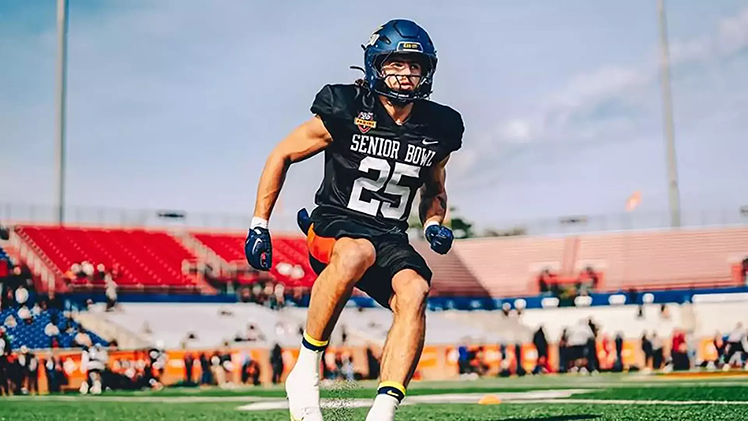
(627, 402)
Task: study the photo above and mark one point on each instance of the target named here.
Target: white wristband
(258, 222)
(428, 224)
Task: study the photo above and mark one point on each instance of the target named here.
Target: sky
(176, 103)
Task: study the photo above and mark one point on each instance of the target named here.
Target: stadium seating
(693, 258)
(451, 276)
(290, 256)
(33, 336)
(146, 259)
(509, 266)
(644, 260)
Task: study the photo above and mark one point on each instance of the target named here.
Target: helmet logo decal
(365, 121)
(372, 40)
(409, 46)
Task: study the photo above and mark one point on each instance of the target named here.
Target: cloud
(612, 99)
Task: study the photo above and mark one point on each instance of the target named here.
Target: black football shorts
(394, 253)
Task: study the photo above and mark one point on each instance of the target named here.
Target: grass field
(600, 397)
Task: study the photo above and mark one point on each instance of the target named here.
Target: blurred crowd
(19, 371)
(584, 348)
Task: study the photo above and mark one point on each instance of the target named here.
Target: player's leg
(404, 344)
(349, 260)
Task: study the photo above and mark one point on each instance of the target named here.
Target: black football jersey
(374, 167)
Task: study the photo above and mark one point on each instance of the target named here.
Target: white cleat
(302, 391)
(383, 409)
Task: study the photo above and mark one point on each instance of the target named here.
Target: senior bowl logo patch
(365, 121)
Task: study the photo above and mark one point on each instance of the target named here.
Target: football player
(383, 140)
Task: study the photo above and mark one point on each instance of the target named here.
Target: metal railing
(101, 216)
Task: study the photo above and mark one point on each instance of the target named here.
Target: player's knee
(354, 257)
(411, 295)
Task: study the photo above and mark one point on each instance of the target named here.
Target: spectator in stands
(543, 279)
(658, 354)
(52, 331)
(189, 362)
(679, 351)
(205, 377)
(580, 336)
(647, 349)
(593, 362)
(463, 359)
(250, 370)
(111, 292)
(276, 362)
(94, 363)
(505, 309)
(12, 374)
(348, 370)
(664, 311)
(22, 295)
(82, 339)
(373, 364)
(279, 293)
(719, 345)
(520, 369)
(618, 365)
(328, 365)
(25, 315)
(736, 346)
(8, 298)
(88, 270)
(541, 346)
(4, 352)
(744, 267)
(29, 371)
(563, 351)
(55, 373)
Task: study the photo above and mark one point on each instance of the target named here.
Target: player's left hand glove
(439, 237)
(259, 249)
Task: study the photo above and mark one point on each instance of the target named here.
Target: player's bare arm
(305, 141)
(433, 207)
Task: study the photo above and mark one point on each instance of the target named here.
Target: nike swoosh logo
(258, 244)
(427, 143)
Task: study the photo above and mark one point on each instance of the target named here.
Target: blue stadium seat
(33, 336)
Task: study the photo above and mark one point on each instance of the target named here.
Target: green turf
(190, 404)
(89, 411)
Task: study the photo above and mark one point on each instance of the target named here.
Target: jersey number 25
(385, 183)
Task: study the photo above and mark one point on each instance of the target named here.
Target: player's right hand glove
(439, 237)
(259, 249)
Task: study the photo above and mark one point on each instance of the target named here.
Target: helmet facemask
(423, 85)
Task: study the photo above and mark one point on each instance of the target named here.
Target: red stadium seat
(147, 259)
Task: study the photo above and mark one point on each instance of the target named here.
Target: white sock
(383, 409)
(308, 361)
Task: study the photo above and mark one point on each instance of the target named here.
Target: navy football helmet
(399, 36)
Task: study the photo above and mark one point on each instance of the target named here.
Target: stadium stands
(693, 258)
(495, 267)
(508, 266)
(290, 256)
(33, 334)
(645, 260)
(146, 259)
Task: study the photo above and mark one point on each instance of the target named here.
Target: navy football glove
(304, 221)
(440, 238)
(259, 249)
